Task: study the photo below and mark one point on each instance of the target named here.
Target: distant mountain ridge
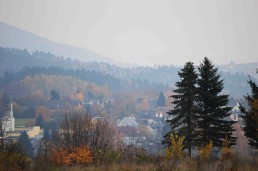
(41, 52)
(14, 37)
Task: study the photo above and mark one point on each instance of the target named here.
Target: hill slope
(11, 36)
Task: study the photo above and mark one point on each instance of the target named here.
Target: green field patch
(24, 122)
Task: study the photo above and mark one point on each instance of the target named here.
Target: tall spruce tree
(40, 121)
(161, 102)
(251, 116)
(54, 95)
(212, 122)
(183, 114)
(25, 143)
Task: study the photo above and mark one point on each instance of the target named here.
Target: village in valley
(62, 117)
(128, 85)
(145, 129)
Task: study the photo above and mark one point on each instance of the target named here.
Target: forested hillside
(90, 76)
(20, 63)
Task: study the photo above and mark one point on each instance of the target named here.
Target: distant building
(8, 121)
(128, 122)
(33, 132)
(12, 133)
(236, 114)
(130, 135)
(159, 114)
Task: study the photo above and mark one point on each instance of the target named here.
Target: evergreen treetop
(40, 121)
(212, 122)
(54, 95)
(183, 115)
(251, 115)
(25, 143)
(161, 102)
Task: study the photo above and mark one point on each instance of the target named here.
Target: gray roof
(128, 121)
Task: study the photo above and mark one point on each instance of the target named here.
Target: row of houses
(143, 129)
(155, 121)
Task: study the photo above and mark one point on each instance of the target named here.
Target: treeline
(89, 76)
(98, 78)
(14, 60)
(17, 64)
(41, 86)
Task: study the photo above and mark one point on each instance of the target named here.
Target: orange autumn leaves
(67, 157)
(254, 104)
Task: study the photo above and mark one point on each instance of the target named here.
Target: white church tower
(8, 121)
(12, 123)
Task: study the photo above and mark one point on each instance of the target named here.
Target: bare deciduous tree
(3, 122)
(102, 135)
(79, 128)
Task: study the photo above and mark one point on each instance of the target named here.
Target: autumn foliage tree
(226, 151)
(71, 156)
(175, 150)
(205, 151)
(79, 130)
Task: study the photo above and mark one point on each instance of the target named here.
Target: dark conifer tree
(251, 116)
(54, 95)
(5, 100)
(183, 117)
(25, 143)
(213, 122)
(40, 121)
(161, 102)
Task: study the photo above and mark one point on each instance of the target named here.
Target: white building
(236, 113)
(8, 121)
(128, 122)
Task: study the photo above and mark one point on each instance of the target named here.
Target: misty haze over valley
(149, 85)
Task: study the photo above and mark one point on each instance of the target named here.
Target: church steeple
(11, 112)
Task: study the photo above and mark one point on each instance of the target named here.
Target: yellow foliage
(67, 86)
(176, 149)
(254, 104)
(168, 154)
(205, 151)
(226, 150)
(79, 96)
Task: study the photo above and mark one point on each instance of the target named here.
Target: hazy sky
(145, 31)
